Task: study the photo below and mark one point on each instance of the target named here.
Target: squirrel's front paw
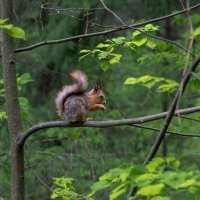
(88, 119)
(103, 107)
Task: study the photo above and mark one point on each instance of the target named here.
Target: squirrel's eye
(101, 96)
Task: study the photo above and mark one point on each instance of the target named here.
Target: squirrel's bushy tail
(78, 87)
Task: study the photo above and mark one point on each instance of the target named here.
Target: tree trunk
(12, 101)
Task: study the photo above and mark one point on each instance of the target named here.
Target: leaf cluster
(11, 30)
(155, 181)
(107, 52)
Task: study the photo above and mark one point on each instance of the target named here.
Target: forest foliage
(140, 73)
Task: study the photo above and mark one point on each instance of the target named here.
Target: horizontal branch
(120, 28)
(101, 124)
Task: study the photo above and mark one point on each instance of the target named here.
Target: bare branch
(171, 132)
(120, 28)
(172, 109)
(100, 124)
(145, 33)
(46, 7)
(190, 118)
(191, 40)
(195, 75)
(113, 13)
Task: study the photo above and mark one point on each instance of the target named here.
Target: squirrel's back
(77, 88)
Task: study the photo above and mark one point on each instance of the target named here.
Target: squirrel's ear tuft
(98, 85)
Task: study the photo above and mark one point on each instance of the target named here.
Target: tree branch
(171, 132)
(145, 33)
(120, 28)
(100, 124)
(190, 118)
(172, 109)
(113, 13)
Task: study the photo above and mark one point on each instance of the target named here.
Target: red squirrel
(73, 100)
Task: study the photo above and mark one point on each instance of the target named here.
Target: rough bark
(13, 110)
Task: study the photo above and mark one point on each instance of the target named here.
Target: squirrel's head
(98, 91)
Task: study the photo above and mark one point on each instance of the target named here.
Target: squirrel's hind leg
(74, 111)
(82, 119)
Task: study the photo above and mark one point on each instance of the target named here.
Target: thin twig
(195, 75)
(44, 6)
(113, 13)
(171, 132)
(38, 177)
(189, 118)
(189, 49)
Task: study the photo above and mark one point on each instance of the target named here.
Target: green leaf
(24, 78)
(3, 115)
(151, 27)
(100, 185)
(145, 78)
(187, 183)
(130, 45)
(197, 31)
(149, 81)
(119, 40)
(103, 55)
(105, 65)
(24, 106)
(7, 26)
(151, 44)
(3, 20)
(151, 190)
(173, 163)
(195, 189)
(16, 32)
(2, 92)
(169, 86)
(115, 59)
(102, 45)
(112, 175)
(135, 33)
(147, 176)
(63, 182)
(23, 103)
(140, 42)
(131, 81)
(173, 179)
(124, 176)
(80, 58)
(154, 164)
(96, 51)
(118, 191)
(84, 51)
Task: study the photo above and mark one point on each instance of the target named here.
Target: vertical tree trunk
(13, 110)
